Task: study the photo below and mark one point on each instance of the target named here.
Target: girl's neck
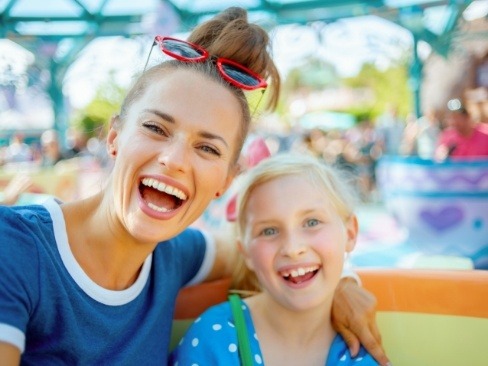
(285, 334)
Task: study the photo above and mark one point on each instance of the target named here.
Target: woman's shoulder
(24, 229)
(18, 217)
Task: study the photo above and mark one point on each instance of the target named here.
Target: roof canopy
(55, 31)
(36, 23)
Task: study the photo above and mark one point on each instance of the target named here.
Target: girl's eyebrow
(170, 119)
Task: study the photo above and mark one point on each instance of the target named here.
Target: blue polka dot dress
(212, 340)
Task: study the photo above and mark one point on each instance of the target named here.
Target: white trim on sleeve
(208, 260)
(12, 335)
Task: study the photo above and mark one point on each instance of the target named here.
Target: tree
(94, 118)
(389, 86)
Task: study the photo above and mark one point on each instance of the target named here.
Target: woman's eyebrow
(163, 115)
(170, 119)
(213, 136)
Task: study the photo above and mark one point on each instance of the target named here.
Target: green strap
(242, 337)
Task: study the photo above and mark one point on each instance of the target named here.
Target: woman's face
(174, 153)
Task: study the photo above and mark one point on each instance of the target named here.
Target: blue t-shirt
(212, 340)
(55, 314)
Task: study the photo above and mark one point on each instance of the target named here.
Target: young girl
(295, 224)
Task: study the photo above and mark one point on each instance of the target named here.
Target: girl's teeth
(299, 271)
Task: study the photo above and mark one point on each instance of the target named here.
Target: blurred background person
(19, 184)
(463, 137)
(390, 128)
(51, 149)
(421, 136)
(17, 151)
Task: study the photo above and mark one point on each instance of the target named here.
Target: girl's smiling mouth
(299, 274)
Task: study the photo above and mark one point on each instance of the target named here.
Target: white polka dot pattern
(214, 338)
(258, 359)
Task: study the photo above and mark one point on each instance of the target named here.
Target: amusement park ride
(426, 316)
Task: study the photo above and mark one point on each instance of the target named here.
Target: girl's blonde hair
(325, 177)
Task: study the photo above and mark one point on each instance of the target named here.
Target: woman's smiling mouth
(159, 196)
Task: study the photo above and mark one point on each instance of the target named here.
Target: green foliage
(360, 112)
(313, 74)
(95, 116)
(390, 87)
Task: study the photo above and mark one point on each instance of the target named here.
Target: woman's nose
(175, 155)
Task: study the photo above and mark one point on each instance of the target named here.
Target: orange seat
(426, 317)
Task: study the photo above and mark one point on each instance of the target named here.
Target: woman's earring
(113, 152)
(217, 195)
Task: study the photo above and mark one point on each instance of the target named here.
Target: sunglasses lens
(240, 75)
(182, 49)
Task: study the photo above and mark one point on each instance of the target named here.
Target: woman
(86, 282)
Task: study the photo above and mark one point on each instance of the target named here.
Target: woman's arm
(9, 354)
(354, 317)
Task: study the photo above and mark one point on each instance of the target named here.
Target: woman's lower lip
(154, 213)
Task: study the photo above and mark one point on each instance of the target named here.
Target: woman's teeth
(150, 182)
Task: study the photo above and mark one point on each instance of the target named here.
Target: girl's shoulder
(210, 340)
(220, 312)
(339, 355)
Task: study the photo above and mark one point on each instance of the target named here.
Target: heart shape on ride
(444, 218)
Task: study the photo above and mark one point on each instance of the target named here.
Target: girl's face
(295, 242)
(173, 153)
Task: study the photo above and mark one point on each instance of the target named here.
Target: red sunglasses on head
(231, 71)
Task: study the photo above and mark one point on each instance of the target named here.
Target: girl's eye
(210, 150)
(269, 231)
(312, 222)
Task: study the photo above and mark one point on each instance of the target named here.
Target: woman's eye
(154, 128)
(210, 150)
(312, 222)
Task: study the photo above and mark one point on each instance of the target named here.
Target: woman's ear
(352, 229)
(112, 135)
(228, 181)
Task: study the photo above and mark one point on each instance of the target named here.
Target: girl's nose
(293, 246)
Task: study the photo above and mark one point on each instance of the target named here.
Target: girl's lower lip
(153, 213)
(301, 284)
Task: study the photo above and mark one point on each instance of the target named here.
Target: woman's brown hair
(227, 35)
